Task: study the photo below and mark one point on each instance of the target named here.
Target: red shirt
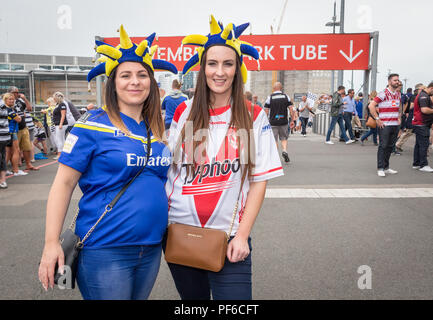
(417, 114)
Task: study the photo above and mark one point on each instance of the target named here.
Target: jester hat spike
(228, 36)
(127, 51)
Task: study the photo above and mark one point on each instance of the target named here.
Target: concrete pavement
(303, 247)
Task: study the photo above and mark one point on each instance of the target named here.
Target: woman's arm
(58, 202)
(62, 118)
(17, 118)
(238, 248)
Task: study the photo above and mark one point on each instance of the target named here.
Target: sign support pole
(374, 55)
(340, 72)
(371, 73)
(365, 91)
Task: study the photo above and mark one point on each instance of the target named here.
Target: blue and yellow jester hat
(228, 36)
(127, 51)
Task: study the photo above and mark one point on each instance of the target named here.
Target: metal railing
(321, 124)
(323, 120)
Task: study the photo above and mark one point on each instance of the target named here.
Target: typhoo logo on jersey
(214, 169)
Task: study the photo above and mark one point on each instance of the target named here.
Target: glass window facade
(44, 67)
(19, 81)
(46, 78)
(17, 67)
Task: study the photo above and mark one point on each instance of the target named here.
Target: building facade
(39, 76)
(295, 83)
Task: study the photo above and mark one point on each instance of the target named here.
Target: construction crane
(274, 73)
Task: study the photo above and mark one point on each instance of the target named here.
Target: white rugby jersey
(389, 106)
(207, 198)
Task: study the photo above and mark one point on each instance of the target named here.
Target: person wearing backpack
(276, 107)
(72, 115)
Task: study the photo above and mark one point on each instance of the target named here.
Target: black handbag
(71, 246)
(71, 243)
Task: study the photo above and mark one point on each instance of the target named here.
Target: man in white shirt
(304, 114)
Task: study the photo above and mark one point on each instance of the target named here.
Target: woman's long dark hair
(200, 113)
(151, 107)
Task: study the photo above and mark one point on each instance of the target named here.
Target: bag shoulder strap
(235, 211)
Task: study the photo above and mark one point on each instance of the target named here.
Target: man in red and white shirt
(388, 122)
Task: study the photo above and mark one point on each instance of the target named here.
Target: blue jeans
(233, 282)
(372, 131)
(304, 122)
(347, 118)
(121, 273)
(334, 120)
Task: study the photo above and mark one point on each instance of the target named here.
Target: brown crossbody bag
(197, 247)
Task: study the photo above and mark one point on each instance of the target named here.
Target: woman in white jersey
(205, 183)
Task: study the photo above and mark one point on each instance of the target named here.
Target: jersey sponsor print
(211, 189)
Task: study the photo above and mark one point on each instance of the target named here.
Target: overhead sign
(349, 51)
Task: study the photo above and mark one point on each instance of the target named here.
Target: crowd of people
(21, 133)
(395, 116)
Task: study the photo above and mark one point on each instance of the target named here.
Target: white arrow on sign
(351, 58)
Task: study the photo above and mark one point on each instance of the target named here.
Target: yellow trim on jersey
(95, 128)
(86, 126)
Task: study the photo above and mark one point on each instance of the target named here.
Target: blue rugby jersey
(13, 125)
(107, 160)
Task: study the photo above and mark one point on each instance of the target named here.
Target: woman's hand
(52, 255)
(57, 205)
(380, 124)
(238, 249)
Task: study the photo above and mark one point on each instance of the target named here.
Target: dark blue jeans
(122, 273)
(387, 138)
(304, 122)
(334, 120)
(347, 118)
(233, 282)
(372, 131)
(421, 145)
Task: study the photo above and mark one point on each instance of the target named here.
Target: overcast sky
(68, 27)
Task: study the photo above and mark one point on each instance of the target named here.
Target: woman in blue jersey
(105, 149)
(13, 149)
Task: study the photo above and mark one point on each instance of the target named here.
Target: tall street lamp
(333, 24)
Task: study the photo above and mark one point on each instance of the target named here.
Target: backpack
(75, 113)
(278, 112)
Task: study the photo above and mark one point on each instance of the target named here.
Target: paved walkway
(329, 216)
